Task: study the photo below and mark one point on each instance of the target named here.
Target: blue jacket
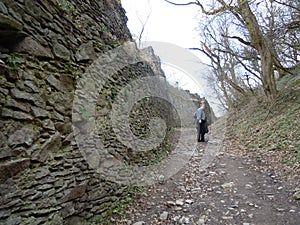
(199, 115)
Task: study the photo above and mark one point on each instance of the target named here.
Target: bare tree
(144, 23)
(255, 32)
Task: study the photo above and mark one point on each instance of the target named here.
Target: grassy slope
(269, 131)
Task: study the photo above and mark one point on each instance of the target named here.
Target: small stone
(171, 203)
(250, 204)
(248, 186)
(228, 185)
(296, 196)
(184, 220)
(189, 201)
(271, 197)
(161, 179)
(227, 217)
(176, 218)
(202, 220)
(164, 216)
(139, 223)
(179, 202)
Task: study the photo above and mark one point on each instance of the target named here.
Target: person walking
(200, 122)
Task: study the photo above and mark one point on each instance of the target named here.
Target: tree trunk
(268, 78)
(259, 42)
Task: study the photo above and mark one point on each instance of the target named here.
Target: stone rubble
(228, 191)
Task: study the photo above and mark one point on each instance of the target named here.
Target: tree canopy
(250, 43)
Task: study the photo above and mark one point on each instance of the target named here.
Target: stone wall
(45, 48)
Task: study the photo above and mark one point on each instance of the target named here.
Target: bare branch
(197, 2)
(236, 55)
(143, 27)
(247, 69)
(285, 4)
(216, 59)
(203, 51)
(182, 4)
(239, 39)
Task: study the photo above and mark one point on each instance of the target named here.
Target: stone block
(53, 144)
(48, 125)
(4, 214)
(63, 128)
(32, 97)
(39, 112)
(30, 84)
(57, 116)
(14, 220)
(44, 212)
(85, 52)
(15, 114)
(77, 192)
(9, 23)
(24, 136)
(3, 8)
(56, 83)
(5, 152)
(12, 168)
(17, 105)
(68, 210)
(30, 46)
(61, 52)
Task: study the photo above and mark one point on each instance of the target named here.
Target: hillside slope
(269, 131)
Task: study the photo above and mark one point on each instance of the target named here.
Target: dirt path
(216, 187)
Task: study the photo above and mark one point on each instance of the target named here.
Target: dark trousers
(201, 131)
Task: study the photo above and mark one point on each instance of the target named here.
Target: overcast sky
(168, 23)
